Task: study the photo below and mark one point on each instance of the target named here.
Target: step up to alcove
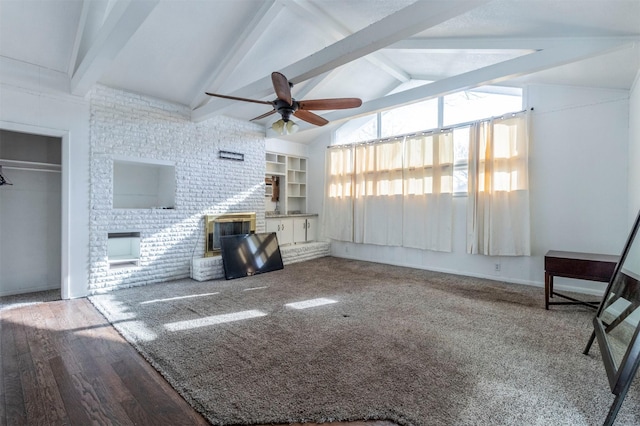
(210, 268)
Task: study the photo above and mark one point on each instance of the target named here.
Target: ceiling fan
(286, 106)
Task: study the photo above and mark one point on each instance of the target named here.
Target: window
(472, 105)
(460, 160)
(458, 108)
(358, 130)
(410, 118)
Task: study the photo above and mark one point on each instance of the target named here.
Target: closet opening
(30, 213)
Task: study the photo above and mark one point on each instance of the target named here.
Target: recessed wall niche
(143, 184)
(123, 249)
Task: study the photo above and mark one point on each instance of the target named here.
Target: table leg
(547, 277)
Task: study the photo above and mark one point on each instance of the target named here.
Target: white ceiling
(177, 49)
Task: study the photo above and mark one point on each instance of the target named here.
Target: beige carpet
(370, 342)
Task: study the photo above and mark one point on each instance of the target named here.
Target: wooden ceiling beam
(219, 71)
(320, 19)
(500, 44)
(122, 21)
(404, 23)
(492, 74)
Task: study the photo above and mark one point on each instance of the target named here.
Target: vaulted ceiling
(386, 52)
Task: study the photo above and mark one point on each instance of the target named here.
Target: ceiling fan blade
(266, 114)
(239, 99)
(336, 103)
(282, 87)
(310, 117)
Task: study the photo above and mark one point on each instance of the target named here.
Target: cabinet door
(285, 235)
(272, 225)
(283, 229)
(299, 230)
(312, 228)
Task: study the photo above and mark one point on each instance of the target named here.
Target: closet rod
(30, 166)
(31, 169)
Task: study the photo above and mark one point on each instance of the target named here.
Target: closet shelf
(30, 165)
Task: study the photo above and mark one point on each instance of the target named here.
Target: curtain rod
(431, 131)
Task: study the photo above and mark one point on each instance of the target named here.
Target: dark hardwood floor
(63, 364)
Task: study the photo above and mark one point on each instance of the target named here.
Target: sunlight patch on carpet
(213, 320)
(311, 303)
(170, 299)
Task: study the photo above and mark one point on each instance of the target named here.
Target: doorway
(30, 213)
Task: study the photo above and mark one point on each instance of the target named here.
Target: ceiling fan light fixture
(278, 127)
(283, 127)
(292, 127)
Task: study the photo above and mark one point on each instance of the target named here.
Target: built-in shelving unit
(296, 185)
(292, 171)
(276, 164)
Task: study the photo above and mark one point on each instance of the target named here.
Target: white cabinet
(304, 229)
(293, 229)
(312, 228)
(283, 227)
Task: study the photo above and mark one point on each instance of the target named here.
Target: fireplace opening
(217, 226)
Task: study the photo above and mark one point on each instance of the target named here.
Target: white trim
(636, 82)
(136, 160)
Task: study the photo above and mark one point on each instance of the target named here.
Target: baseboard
(27, 290)
(569, 288)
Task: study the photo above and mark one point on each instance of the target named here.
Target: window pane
(358, 130)
(462, 107)
(461, 145)
(460, 178)
(410, 118)
(461, 159)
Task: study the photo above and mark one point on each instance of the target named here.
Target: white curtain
(378, 194)
(392, 193)
(428, 192)
(338, 205)
(498, 206)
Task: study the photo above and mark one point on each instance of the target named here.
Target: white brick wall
(128, 125)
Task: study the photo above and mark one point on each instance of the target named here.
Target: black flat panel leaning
(249, 254)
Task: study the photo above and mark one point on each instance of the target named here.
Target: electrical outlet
(497, 267)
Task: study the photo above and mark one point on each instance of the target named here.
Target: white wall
(578, 178)
(40, 111)
(287, 147)
(634, 150)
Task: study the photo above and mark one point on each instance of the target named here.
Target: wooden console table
(582, 266)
